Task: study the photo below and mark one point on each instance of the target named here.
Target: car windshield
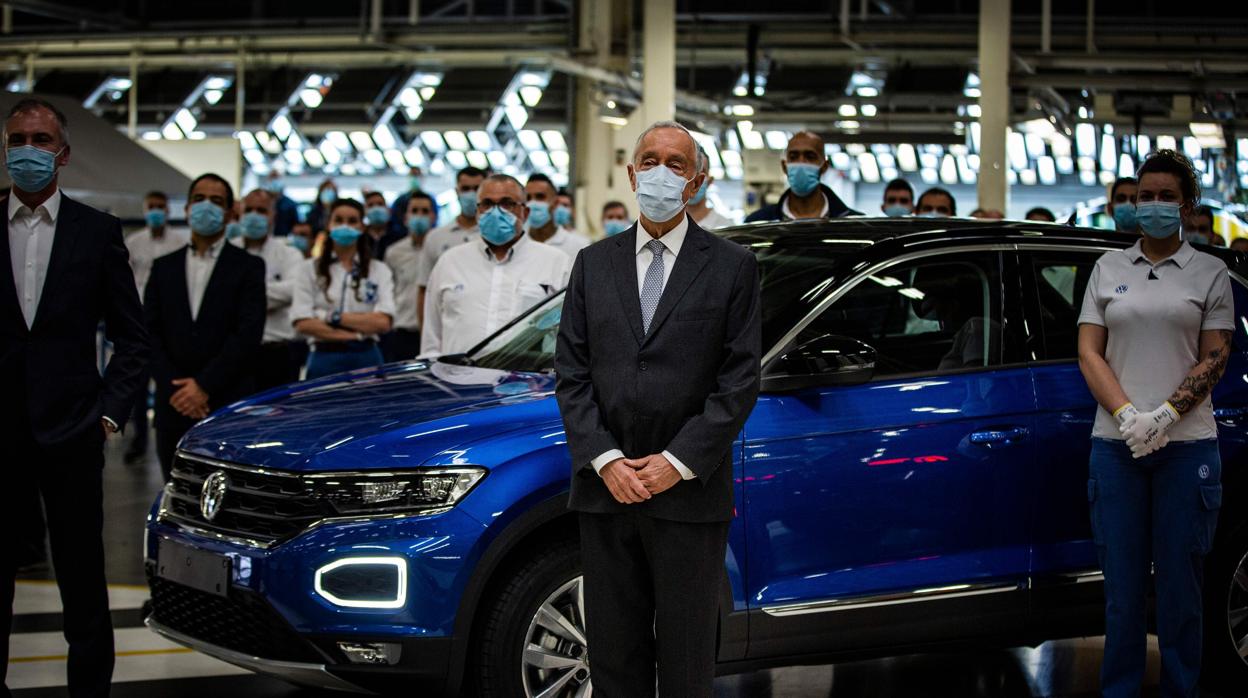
(796, 271)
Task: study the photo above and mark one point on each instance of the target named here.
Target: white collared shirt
(30, 248)
(471, 294)
(199, 272)
(145, 248)
(282, 264)
(374, 294)
(672, 240)
(406, 259)
(441, 239)
(788, 214)
(714, 219)
(568, 242)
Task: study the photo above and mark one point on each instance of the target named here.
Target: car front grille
(259, 506)
(242, 622)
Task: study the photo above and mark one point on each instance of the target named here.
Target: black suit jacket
(218, 347)
(50, 371)
(686, 387)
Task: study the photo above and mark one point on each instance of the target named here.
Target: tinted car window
(934, 315)
(1061, 280)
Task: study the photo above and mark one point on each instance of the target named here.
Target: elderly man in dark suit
(63, 270)
(658, 363)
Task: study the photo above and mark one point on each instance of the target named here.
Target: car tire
(1224, 670)
(535, 618)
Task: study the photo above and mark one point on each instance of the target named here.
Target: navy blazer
(53, 389)
(687, 386)
(218, 347)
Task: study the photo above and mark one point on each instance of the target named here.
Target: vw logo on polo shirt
(213, 494)
(1121, 289)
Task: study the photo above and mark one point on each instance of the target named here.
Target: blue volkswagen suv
(913, 477)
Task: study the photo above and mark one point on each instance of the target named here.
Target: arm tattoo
(1199, 383)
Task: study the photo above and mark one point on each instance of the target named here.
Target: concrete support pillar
(132, 106)
(994, 102)
(658, 99)
(593, 164)
(240, 90)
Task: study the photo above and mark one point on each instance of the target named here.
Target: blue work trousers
(325, 363)
(1159, 511)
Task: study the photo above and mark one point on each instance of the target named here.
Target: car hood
(395, 416)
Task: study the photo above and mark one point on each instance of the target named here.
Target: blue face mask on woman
(31, 168)
(344, 235)
(206, 218)
(1158, 219)
(498, 227)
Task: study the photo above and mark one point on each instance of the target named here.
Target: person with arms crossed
(65, 272)
(658, 362)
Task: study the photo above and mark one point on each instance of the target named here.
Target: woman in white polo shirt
(344, 298)
(1154, 338)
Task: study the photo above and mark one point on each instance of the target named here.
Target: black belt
(341, 347)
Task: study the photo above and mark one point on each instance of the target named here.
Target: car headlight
(395, 491)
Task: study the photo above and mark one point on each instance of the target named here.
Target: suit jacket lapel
(8, 286)
(689, 264)
(63, 245)
(624, 269)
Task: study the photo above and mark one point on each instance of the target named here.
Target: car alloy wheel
(1237, 609)
(556, 653)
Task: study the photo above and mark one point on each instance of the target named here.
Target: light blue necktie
(652, 287)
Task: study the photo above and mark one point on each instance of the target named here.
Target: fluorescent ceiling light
(281, 126)
(554, 140)
(314, 157)
(480, 140)
(362, 141)
(906, 157)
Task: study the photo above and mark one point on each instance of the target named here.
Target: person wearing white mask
(805, 162)
(404, 260)
(653, 389)
(463, 228)
(615, 219)
(479, 286)
(279, 360)
(541, 195)
(705, 216)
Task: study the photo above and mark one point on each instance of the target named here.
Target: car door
(895, 510)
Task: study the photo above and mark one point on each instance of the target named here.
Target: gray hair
(28, 104)
(505, 179)
(661, 125)
(704, 160)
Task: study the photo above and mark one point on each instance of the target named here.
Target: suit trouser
(277, 363)
(68, 477)
(138, 416)
(1159, 511)
(652, 593)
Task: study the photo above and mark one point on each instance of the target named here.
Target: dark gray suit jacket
(685, 387)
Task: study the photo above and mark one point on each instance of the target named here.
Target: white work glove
(1145, 432)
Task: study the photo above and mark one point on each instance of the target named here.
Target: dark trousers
(277, 363)
(652, 593)
(1156, 512)
(401, 345)
(68, 478)
(166, 445)
(138, 418)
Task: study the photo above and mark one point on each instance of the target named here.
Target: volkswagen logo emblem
(213, 494)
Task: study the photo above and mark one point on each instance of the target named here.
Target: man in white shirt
(457, 232)
(541, 197)
(565, 212)
(404, 259)
(480, 286)
(279, 359)
(699, 209)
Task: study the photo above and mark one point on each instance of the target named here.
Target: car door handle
(1003, 436)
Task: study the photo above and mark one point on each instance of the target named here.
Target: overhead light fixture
(847, 110)
(863, 84)
(869, 110)
(554, 140)
(281, 126)
(1208, 135)
(456, 140)
(361, 141)
(971, 87)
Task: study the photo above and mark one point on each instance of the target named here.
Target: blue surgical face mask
(468, 203)
(539, 214)
(615, 226)
(31, 168)
(660, 193)
(419, 225)
(932, 214)
(498, 227)
(1158, 219)
(896, 210)
(700, 195)
(328, 196)
(255, 225)
(413, 183)
(803, 178)
(344, 236)
(1124, 217)
(377, 215)
(273, 186)
(1198, 239)
(233, 230)
(156, 217)
(563, 216)
(298, 242)
(206, 218)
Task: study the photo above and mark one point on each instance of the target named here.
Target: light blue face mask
(328, 196)
(206, 218)
(615, 226)
(255, 225)
(419, 225)
(563, 216)
(156, 217)
(31, 168)
(660, 193)
(539, 214)
(700, 195)
(468, 203)
(803, 178)
(233, 230)
(1124, 217)
(298, 242)
(896, 211)
(498, 227)
(344, 236)
(377, 215)
(1158, 219)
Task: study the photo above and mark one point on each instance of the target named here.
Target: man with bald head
(479, 286)
(804, 164)
(658, 367)
(280, 354)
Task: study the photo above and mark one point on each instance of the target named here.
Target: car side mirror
(826, 360)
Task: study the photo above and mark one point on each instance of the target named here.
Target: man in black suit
(63, 270)
(205, 309)
(658, 363)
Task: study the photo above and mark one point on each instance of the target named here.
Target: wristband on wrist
(1122, 409)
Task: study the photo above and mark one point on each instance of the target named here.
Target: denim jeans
(1160, 510)
(324, 363)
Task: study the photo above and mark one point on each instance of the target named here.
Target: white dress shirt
(471, 294)
(714, 219)
(406, 260)
(568, 242)
(199, 271)
(282, 265)
(673, 240)
(30, 248)
(788, 213)
(375, 293)
(145, 248)
(441, 239)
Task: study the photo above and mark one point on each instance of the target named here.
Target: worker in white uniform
(404, 259)
(460, 230)
(541, 195)
(706, 217)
